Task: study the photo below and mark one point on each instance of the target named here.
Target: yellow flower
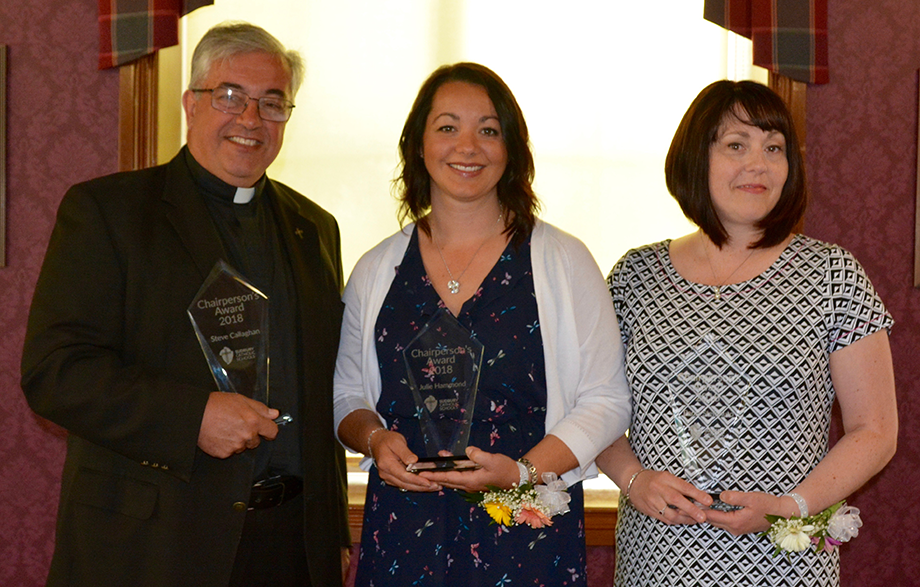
(499, 512)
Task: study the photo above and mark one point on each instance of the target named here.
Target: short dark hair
(686, 167)
(515, 192)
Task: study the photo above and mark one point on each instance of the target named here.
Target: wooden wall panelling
(137, 121)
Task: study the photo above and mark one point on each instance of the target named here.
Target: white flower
(794, 537)
(552, 496)
(825, 531)
(844, 524)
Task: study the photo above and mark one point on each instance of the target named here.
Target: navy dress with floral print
(412, 538)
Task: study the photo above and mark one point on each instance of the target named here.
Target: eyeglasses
(230, 101)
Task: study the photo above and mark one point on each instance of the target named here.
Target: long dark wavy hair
(515, 191)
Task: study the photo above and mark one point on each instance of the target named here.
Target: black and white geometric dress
(753, 363)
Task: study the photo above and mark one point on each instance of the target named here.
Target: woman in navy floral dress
(552, 390)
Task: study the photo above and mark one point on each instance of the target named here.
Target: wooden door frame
(137, 114)
(793, 94)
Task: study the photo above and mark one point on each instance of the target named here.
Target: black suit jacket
(110, 355)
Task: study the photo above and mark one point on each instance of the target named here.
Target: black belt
(274, 492)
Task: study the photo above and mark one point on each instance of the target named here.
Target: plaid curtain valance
(130, 29)
(789, 36)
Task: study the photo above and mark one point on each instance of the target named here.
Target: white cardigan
(588, 399)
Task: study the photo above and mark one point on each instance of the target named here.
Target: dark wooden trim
(793, 94)
(356, 521)
(600, 526)
(137, 119)
(2, 155)
(917, 212)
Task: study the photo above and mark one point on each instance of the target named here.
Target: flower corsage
(825, 531)
(525, 504)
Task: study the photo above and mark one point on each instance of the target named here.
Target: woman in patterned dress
(552, 389)
(739, 337)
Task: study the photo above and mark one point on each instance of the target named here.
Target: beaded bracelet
(803, 505)
(370, 453)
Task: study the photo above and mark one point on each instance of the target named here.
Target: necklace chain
(717, 289)
(454, 284)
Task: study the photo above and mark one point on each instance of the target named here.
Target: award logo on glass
(230, 318)
(709, 397)
(443, 363)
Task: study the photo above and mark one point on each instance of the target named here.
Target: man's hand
(233, 423)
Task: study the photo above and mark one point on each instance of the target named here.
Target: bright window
(602, 85)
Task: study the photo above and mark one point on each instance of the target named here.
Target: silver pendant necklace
(717, 289)
(454, 284)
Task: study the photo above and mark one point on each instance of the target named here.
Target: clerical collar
(218, 187)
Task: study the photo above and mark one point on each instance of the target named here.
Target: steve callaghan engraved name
(235, 335)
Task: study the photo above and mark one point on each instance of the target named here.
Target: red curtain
(130, 29)
(789, 36)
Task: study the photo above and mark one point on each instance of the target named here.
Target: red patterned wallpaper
(862, 137)
(62, 128)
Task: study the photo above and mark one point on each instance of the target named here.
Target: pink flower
(532, 517)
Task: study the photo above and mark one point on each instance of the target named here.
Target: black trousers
(271, 551)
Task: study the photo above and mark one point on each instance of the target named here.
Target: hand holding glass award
(443, 363)
(230, 318)
(709, 396)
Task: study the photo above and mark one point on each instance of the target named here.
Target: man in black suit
(167, 481)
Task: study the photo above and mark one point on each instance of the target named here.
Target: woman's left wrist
(787, 507)
(801, 506)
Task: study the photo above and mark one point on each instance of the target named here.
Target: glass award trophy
(230, 318)
(443, 363)
(709, 395)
